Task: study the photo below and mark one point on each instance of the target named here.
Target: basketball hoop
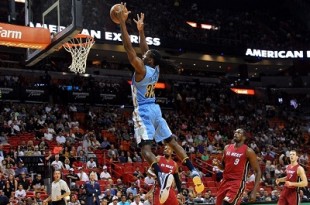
(79, 48)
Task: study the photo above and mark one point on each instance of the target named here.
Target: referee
(60, 191)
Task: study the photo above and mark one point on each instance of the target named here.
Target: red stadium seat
(211, 184)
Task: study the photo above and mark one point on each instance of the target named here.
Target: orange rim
(80, 36)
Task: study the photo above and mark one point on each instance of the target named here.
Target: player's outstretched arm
(134, 60)
(258, 174)
(140, 26)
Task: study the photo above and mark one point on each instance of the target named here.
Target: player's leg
(282, 199)
(292, 197)
(180, 152)
(163, 133)
(235, 189)
(220, 195)
(144, 134)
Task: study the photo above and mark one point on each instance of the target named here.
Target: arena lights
(241, 91)
(157, 86)
(202, 26)
(277, 54)
(192, 24)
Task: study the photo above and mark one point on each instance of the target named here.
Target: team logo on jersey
(290, 172)
(234, 154)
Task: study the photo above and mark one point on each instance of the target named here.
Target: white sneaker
(166, 181)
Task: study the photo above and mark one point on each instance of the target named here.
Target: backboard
(64, 19)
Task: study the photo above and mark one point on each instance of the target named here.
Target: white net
(79, 48)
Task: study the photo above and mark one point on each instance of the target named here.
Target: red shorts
(172, 199)
(230, 191)
(289, 196)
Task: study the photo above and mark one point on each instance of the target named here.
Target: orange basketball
(113, 11)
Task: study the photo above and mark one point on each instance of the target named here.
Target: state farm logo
(32, 93)
(80, 95)
(107, 96)
(4, 33)
(6, 90)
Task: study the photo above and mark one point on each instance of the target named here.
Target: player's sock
(199, 186)
(189, 164)
(156, 168)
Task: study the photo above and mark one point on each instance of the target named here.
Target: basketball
(113, 11)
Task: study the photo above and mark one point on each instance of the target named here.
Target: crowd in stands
(252, 27)
(202, 120)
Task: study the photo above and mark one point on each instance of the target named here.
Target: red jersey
(291, 174)
(167, 166)
(236, 163)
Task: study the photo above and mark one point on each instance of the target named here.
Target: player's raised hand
(139, 21)
(122, 12)
(277, 181)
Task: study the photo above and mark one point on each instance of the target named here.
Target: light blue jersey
(148, 121)
(143, 92)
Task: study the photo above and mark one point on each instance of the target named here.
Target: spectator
(137, 200)
(123, 200)
(132, 189)
(37, 198)
(114, 201)
(149, 180)
(91, 163)
(36, 151)
(20, 169)
(72, 177)
(24, 181)
(38, 183)
(108, 195)
(82, 175)
(105, 175)
(20, 193)
(67, 164)
(105, 144)
(208, 199)
(11, 186)
(74, 200)
(136, 157)
(9, 170)
(78, 163)
(57, 164)
(4, 200)
(60, 138)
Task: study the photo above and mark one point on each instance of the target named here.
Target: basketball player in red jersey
(295, 178)
(235, 162)
(168, 165)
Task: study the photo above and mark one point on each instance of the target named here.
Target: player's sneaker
(199, 187)
(165, 185)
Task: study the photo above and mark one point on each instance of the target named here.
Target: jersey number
(150, 91)
(236, 161)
